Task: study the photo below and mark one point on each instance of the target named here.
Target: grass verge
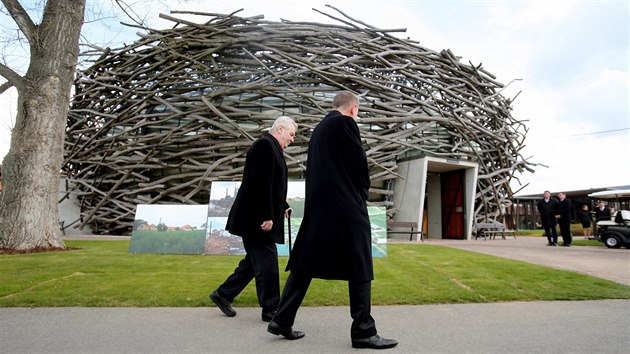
(576, 241)
(105, 274)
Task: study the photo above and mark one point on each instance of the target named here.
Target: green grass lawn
(579, 241)
(104, 273)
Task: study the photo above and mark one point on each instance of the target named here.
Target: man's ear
(354, 110)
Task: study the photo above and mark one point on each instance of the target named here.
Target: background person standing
(257, 215)
(602, 213)
(334, 240)
(585, 219)
(548, 209)
(564, 218)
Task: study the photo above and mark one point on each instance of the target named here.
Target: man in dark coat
(564, 218)
(257, 215)
(602, 213)
(334, 240)
(548, 209)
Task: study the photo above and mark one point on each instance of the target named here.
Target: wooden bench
(492, 229)
(393, 227)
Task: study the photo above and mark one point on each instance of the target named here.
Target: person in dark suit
(548, 209)
(257, 215)
(602, 213)
(334, 240)
(564, 218)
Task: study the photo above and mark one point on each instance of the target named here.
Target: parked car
(617, 231)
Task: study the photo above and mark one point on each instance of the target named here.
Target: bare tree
(30, 171)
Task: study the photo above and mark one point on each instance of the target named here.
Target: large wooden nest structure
(157, 120)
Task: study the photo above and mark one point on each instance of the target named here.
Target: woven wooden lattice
(158, 120)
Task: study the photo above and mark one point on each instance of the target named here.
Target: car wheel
(612, 241)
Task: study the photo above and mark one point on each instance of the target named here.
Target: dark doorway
(453, 204)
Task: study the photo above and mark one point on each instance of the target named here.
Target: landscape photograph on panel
(222, 195)
(220, 241)
(169, 229)
(378, 223)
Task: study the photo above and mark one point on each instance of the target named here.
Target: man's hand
(267, 225)
(288, 212)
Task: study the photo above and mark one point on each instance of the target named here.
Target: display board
(169, 229)
(200, 229)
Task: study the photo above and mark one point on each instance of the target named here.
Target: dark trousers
(363, 325)
(260, 263)
(565, 231)
(550, 231)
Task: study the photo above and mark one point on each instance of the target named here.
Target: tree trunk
(29, 203)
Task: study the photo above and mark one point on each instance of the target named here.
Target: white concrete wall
(69, 212)
(470, 190)
(409, 192)
(434, 206)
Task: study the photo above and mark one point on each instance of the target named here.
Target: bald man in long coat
(334, 240)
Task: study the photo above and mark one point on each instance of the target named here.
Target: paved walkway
(514, 327)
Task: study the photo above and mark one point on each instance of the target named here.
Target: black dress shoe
(223, 304)
(286, 332)
(267, 316)
(374, 342)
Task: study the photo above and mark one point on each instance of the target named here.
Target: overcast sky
(568, 60)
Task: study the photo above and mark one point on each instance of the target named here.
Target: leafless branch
(156, 121)
(5, 86)
(13, 78)
(21, 18)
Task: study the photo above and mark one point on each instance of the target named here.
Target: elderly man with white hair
(257, 216)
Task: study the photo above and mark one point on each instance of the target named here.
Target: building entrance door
(453, 205)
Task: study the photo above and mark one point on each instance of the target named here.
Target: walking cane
(289, 221)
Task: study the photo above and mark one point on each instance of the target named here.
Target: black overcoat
(334, 240)
(564, 209)
(548, 211)
(262, 194)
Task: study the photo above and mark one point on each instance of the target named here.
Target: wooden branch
(13, 78)
(21, 18)
(179, 108)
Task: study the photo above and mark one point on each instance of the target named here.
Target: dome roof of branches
(157, 120)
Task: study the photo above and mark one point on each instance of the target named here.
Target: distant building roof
(615, 193)
(591, 193)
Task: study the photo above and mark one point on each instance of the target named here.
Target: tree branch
(13, 78)
(130, 13)
(7, 85)
(21, 18)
